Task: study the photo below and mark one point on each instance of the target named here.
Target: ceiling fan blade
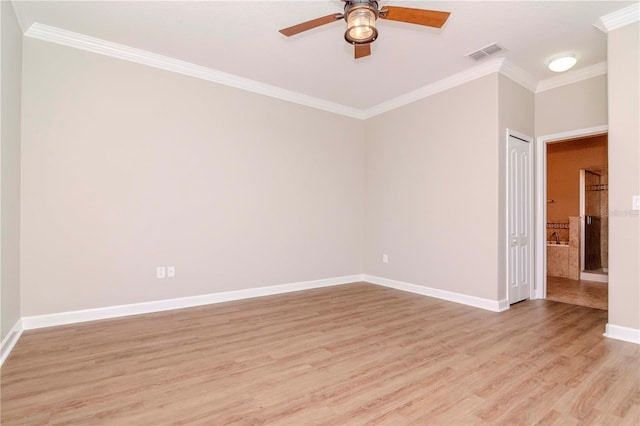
(296, 29)
(429, 18)
(362, 50)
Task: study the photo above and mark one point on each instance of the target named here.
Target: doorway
(545, 228)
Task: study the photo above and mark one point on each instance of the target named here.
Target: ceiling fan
(361, 16)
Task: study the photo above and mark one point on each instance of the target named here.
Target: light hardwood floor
(345, 355)
(578, 292)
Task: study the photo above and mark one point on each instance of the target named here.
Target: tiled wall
(558, 261)
(574, 248)
(562, 229)
(564, 260)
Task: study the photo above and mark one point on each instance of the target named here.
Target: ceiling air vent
(485, 51)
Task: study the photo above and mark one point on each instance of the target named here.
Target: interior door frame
(531, 212)
(540, 261)
(583, 218)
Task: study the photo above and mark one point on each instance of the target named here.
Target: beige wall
(575, 106)
(624, 176)
(11, 58)
(432, 191)
(516, 109)
(126, 167)
(564, 162)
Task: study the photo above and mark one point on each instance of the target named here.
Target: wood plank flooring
(578, 292)
(346, 355)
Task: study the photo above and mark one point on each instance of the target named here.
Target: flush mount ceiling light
(562, 64)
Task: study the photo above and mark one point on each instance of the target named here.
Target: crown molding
(19, 17)
(499, 65)
(619, 18)
(119, 51)
(489, 67)
(520, 76)
(572, 77)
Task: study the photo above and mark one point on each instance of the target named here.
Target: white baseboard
(503, 304)
(478, 302)
(589, 276)
(61, 318)
(72, 317)
(10, 341)
(39, 321)
(626, 334)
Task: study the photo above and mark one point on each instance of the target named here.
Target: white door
(519, 217)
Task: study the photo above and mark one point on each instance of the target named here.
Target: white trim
(103, 47)
(477, 302)
(582, 220)
(541, 199)
(139, 56)
(488, 67)
(21, 19)
(499, 65)
(574, 134)
(571, 77)
(619, 18)
(72, 317)
(540, 227)
(619, 332)
(10, 341)
(590, 276)
(520, 76)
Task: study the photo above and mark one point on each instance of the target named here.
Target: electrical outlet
(161, 272)
(385, 258)
(171, 271)
(635, 202)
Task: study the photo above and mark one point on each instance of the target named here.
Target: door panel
(519, 204)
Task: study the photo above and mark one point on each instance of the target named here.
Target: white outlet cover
(171, 271)
(161, 272)
(635, 202)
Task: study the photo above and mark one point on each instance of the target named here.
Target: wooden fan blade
(362, 50)
(310, 24)
(429, 18)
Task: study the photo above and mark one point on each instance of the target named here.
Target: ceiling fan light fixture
(563, 63)
(361, 24)
(361, 17)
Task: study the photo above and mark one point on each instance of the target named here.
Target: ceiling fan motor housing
(361, 16)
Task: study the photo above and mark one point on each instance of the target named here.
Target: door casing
(540, 261)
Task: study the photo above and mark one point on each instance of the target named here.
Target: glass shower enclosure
(594, 217)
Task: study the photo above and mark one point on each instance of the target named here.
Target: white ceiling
(242, 38)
